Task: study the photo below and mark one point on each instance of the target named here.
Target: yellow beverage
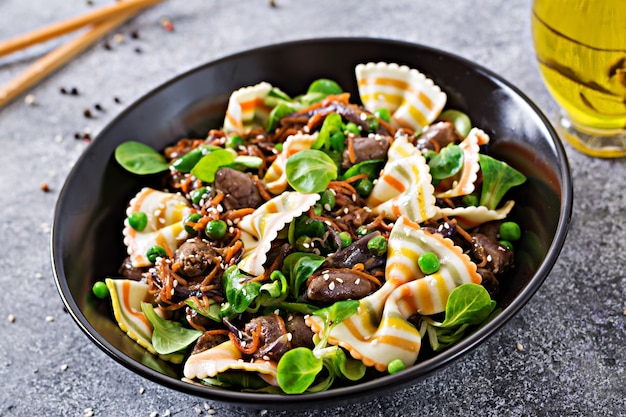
(580, 47)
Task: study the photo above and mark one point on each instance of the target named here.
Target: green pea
(216, 229)
(186, 162)
(510, 231)
(303, 244)
(198, 195)
(384, 114)
(100, 290)
(328, 200)
(461, 121)
(470, 200)
(353, 128)
(377, 245)
(506, 244)
(155, 252)
(317, 210)
(346, 239)
(138, 220)
(191, 218)
(234, 142)
(395, 365)
(279, 147)
(362, 230)
(428, 263)
(364, 187)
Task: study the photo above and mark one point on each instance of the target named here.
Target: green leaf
(331, 135)
(297, 369)
(338, 312)
(206, 168)
(337, 363)
(212, 311)
(281, 110)
(325, 86)
(310, 171)
(140, 159)
(468, 304)
(498, 178)
(447, 162)
(240, 292)
(299, 266)
(371, 168)
(305, 226)
(168, 336)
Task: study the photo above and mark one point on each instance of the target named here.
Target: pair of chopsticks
(102, 21)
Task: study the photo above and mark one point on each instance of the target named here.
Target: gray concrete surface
(573, 361)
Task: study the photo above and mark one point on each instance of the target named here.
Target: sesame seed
(357, 281)
(88, 412)
(519, 346)
(339, 280)
(142, 390)
(289, 337)
(167, 412)
(30, 100)
(198, 410)
(11, 318)
(49, 319)
(38, 275)
(331, 286)
(262, 412)
(64, 367)
(118, 38)
(58, 138)
(489, 258)
(154, 414)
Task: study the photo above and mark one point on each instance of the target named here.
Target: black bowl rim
(372, 387)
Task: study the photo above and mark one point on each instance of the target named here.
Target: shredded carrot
(256, 340)
(262, 190)
(351, 154)
(232, 250)
(367, 276)
(341, 98)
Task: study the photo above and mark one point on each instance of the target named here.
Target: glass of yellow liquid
(580, 47)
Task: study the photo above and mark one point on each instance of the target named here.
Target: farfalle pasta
(312, 237)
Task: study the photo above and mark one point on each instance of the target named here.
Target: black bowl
(87, 241)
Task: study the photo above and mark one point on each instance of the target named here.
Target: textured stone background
(573, 361)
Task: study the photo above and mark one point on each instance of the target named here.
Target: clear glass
(580, 46)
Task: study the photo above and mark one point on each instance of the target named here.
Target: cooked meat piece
(490, 229)
(209, 340)
(127, 270)
(437, 136)
(490, 282)
(195, 257)
(366, 149)
(490, 254)
(239, 189)
(301, 334)
(274, 340)
(356, 253)
(329, 285)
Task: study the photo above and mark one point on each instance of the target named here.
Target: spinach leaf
(271, 293)
(140, 159)
(211, 311)
(461, 121)
(206, 168)
(310, 171)
(468, 304)
(371, 168)
(331, 135)
(299, 266)
(338, 364)
(447, 162)
(240, 291)
(498, 178)
(281, 110)
(168, 336)
(297, 370)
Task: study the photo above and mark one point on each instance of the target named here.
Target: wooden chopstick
(72, 24)
(45, 65)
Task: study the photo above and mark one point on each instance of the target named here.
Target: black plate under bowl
(87, 240)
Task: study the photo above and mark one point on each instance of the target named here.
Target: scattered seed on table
(38, 275)
(30, 100)
(64, 367)
(74, 91)
(117, 100)
(134, 34)
(106, 45)
(49, 319)
(167, 413)
(519, 347)
(154, 414)
(118, 38)
(141, 390)
(58, 138)
(62, 90)
(11, 318)
(87, 113)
